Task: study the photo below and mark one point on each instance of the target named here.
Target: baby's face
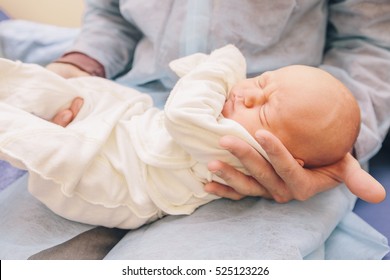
(251, 104)
(266, 102)
(306, 108)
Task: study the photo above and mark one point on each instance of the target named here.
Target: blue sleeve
(107, 36)
(358, 53)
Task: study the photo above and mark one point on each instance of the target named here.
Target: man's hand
(66, 70)
(283, 178)
(65, 117)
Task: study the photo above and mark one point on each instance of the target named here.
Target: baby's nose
(252, 98)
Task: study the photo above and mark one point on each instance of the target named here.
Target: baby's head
(310, 111)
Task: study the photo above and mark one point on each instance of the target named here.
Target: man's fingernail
(79, 103)
(67, 116)
(260, 139)
(217, 172)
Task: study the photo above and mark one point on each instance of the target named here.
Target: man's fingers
(76, 105)
(262, 171)
(361, 183)
(222, 191)
(366, 187)
(258, 167)
(285, 165)
(237, 181)
(64, 117)
(237, 146)
(281, 159)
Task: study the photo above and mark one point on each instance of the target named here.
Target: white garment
(121, 162)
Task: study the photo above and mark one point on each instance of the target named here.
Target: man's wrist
(84, 63)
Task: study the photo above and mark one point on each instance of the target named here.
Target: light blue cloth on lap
(353, 238)
(27, 226)
(8, 174)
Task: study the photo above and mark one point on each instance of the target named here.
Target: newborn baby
(311, 112)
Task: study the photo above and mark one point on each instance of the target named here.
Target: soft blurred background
(65, 13)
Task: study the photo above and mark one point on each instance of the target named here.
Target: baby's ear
(184, 65)
(300, 161)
